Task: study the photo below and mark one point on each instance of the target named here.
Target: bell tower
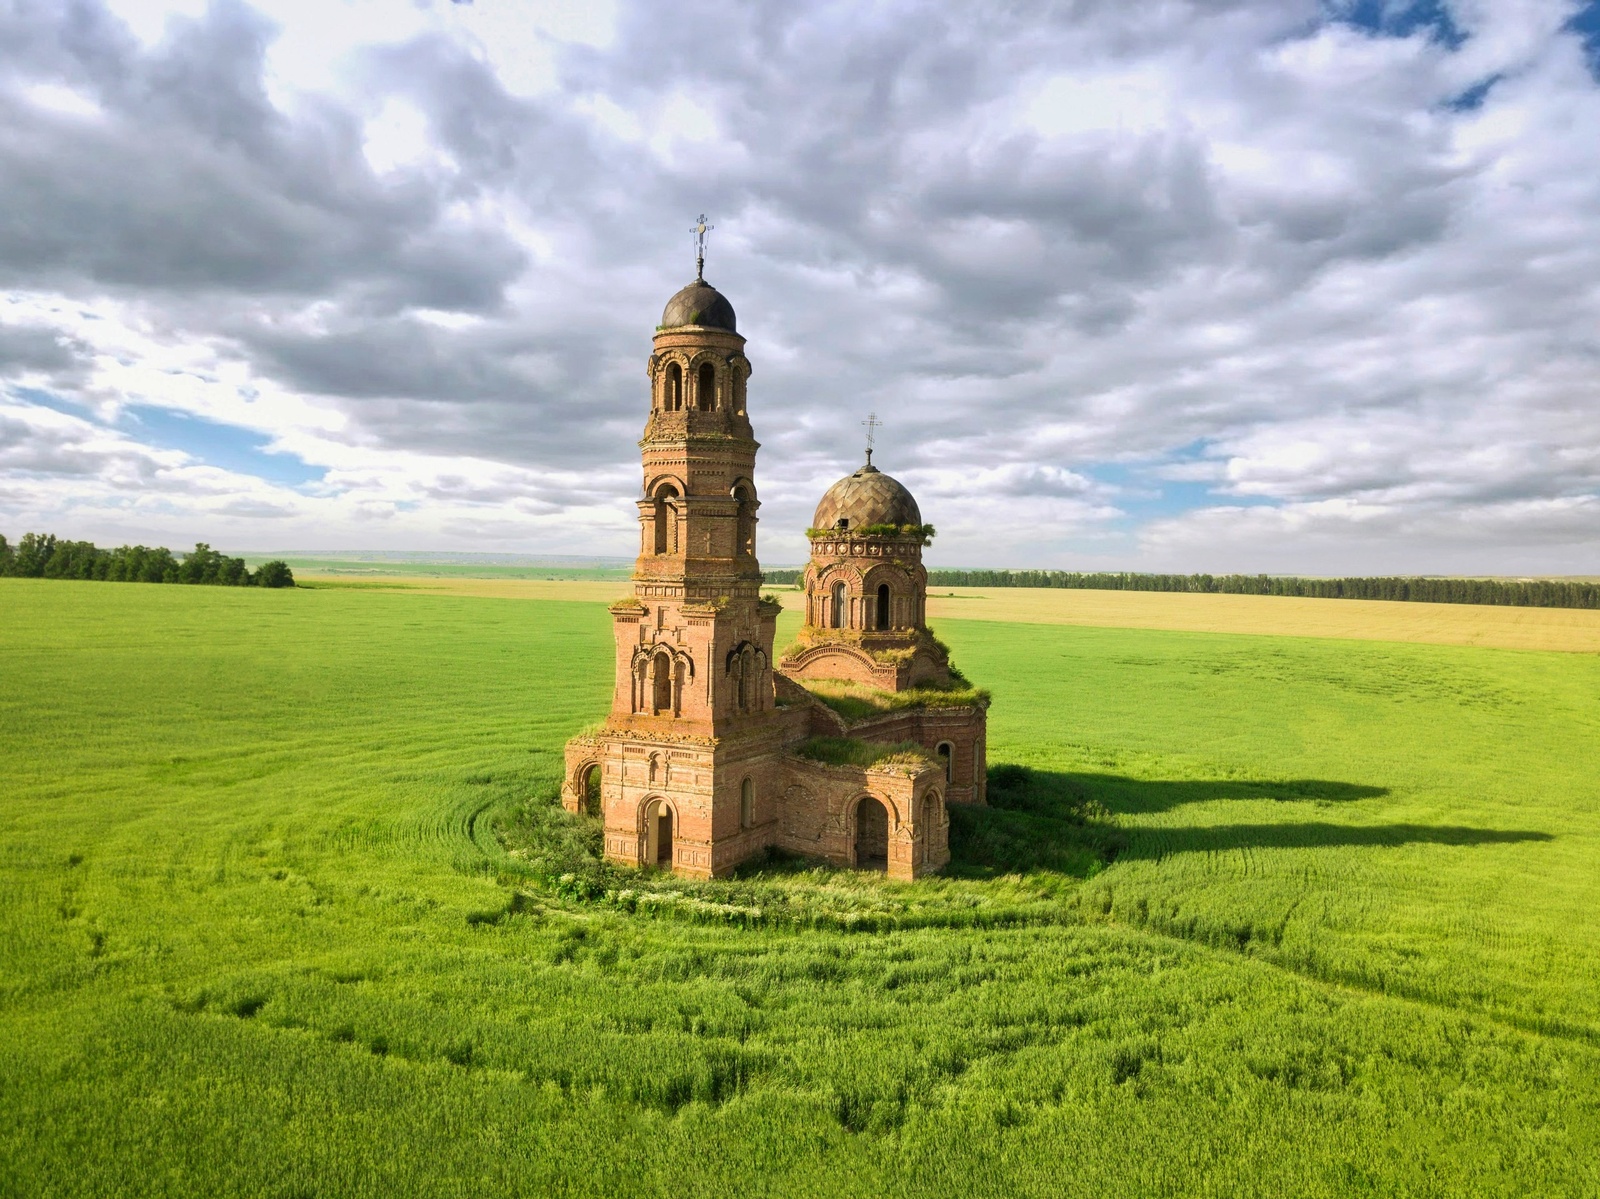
(675, 769)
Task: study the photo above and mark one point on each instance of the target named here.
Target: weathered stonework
(695, 768)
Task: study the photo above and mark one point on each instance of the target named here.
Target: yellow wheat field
(1569, 629)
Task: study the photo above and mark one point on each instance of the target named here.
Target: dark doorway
(883, 606)
(591, 791)
(664, 836)
(872, 835)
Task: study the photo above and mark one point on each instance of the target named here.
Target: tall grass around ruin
(1293, 917)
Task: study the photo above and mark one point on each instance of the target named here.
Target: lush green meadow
(260, 933)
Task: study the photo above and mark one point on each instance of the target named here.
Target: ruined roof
(699, 304)
(868, 497)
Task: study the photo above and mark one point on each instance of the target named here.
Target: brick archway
(872, 834)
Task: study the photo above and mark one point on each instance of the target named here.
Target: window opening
(706, 389)
(674, 396)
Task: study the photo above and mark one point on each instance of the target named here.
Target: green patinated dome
(868, 497)
(699, 304)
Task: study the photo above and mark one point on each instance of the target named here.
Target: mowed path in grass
(255, 942)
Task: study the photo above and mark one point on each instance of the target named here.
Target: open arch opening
(658, 830)
(836, 613)
(883, 606)
(666, 518)
(705, 390)
(589, 788)
(746, 532)
(661, 685)
(672, 396)
(872, 835)
(947, 755)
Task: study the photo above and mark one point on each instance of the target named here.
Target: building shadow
(1153, 844)
(1066, 822)
(1025, 787)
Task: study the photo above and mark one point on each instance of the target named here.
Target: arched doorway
(947, 754)
(883, 606)
(589, 788)
(705, 392)
(872, 835)
(836, 618)
(658, 827)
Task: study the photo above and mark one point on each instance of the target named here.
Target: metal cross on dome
(872, 424)
(700, 230)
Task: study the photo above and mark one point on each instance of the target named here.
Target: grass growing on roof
(846, 751)
(856, 701)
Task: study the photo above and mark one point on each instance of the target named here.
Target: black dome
(699, 304)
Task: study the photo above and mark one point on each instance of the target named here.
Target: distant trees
(44, 556)
(1523, 593)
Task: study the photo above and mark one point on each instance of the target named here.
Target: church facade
(847, 749)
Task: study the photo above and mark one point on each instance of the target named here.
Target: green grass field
(259, 934)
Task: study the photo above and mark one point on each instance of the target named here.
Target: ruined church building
(713, 751)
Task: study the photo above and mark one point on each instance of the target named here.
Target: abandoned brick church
(849, 748)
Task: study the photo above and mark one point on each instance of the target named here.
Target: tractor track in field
(1560, 1030)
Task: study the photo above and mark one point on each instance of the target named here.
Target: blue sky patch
(227, 447)
(1399, 18)
(1586, 24)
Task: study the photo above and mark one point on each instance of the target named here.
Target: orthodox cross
(700, 230)
(872, 424)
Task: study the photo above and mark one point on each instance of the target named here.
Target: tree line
(44, 556)
(1522, 593)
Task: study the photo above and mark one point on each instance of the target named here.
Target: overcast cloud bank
(1278, 286)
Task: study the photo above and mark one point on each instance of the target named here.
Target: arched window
(883, 606)
(705, 392)
(662, 669)
(673, 399)
(666, 520)
(836, 616)
(746, 531)
(947, 755)
(747, 803)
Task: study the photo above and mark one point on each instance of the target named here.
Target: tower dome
(699, 304)
(868, 497)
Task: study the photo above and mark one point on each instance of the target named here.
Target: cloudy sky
(1285, 285)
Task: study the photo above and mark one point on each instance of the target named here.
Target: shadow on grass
(1042, 820)
(1119, 794)
(1154, 844)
